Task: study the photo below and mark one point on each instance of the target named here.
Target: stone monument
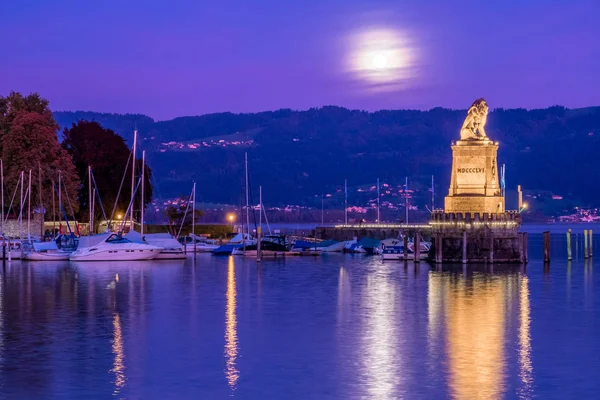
(474, 184)
(474, 227)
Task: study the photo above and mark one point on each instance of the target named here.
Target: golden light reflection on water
(231, 339)
(525, 366)
(382, 366)
(117, 349)
(475, 321)
(344, 296)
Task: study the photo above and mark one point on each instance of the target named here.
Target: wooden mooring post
(417, 248)
(521, 248)
(569, 253)
(491, 247)
(464, 247)
(525, 247)
(438, 249)
(405, 248)
(591, 243)
(546, 247)
(585, 244)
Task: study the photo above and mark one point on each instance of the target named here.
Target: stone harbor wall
(14, 229)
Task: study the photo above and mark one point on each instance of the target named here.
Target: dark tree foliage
(28, 141)
(178, 213)
(106, 152)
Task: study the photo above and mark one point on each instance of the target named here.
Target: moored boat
(115, 248)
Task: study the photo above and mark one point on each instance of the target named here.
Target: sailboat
(58, 249)
(116, 247)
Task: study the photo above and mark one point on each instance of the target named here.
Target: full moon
(380, 61)
(382, 57)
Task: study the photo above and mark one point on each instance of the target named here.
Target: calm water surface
(334, 327)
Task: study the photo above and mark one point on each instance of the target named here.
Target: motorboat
(200, 244)
(171, 249)
(270, 246)
(115, 247)
(235, 243)
(396, 251)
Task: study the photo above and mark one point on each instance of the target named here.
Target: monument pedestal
(474, 226)
(474, 184)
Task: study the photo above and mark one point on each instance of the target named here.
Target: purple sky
(189, 57)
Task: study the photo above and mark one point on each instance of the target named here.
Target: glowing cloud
(383, 58)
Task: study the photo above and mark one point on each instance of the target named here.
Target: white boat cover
(89, 241)
(45, 246)
(163, 240)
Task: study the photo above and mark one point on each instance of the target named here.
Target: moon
(380, 61)
(382, 58)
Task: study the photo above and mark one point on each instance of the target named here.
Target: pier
(376, 231)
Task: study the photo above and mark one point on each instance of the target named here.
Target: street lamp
(231, 218)
(523, 207)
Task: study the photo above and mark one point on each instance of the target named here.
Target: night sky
(188, 57)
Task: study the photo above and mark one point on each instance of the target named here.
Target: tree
(28, 141)
(89, 144)
(177, 216)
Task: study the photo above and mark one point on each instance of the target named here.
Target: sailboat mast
(322, 210)
(42, 211)
(53, 211)
(29, 208)
(378, 196)
(142, 193)
(247, 196)
(194, 218)
(406, 198)
(135, 132)
(2, 195)
(261, 207)
(345, 201)
(93, 208)
(21, 211)
(432, 195)
(59, 202)
(90, 200)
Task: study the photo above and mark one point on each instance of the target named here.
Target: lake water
(332, 327)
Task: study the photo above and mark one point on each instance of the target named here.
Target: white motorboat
(45, 251)
(113, 248)
(202, 244)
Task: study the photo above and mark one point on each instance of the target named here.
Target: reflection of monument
(480, 321)
(474, 182)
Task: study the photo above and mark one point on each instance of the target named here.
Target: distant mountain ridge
(299, 155)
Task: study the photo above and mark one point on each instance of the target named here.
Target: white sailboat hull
(171, 254)
(47, 256)
(14, 255)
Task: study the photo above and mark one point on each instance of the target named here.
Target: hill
(298, 155)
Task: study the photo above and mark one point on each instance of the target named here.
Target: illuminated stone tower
(474, 184)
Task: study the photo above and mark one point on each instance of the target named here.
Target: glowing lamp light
(230, 217)
(119, 216)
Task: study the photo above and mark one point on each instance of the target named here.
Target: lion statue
(474, 125)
